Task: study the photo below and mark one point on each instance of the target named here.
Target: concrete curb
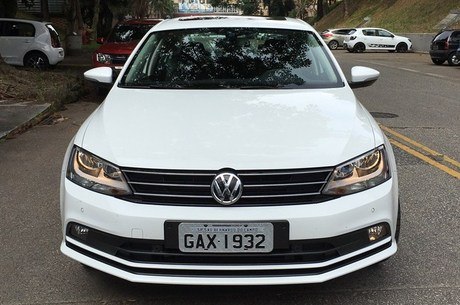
(72, 95)
(12, 115)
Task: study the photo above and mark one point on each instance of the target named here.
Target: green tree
(8, 8)
(140, 8)
(249, 7)
(162, 8)
(279, 8)
(301, 8)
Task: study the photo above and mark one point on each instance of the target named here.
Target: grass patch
(417, 16)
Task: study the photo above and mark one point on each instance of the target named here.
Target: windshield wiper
(261, 87)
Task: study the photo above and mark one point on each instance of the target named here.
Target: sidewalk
(16, 115)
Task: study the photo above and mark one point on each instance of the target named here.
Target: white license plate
(226, 237)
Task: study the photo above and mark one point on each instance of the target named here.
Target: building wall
(56, 7)
(203, 7)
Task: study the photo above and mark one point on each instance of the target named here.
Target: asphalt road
(412, 97)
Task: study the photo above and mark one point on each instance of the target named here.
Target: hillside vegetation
(402, 16)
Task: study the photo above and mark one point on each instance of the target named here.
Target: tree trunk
(79, 16)
(346, 11)
(319, 9)
(95, 19)
(45, 10)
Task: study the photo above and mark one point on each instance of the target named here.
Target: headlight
(95, 174)
(364, 172)
(103, 58)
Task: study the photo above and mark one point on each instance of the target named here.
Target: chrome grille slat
(284, 184)
(168, 173)
(171, 195)
(256, 173)
(282, 195)
(169, 184)
(260, 187)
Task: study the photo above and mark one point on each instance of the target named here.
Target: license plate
(226, 237)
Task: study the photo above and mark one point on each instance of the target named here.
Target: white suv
(376, 39)
(231, 150)
(29, 43)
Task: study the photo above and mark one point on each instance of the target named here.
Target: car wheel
(437, 61)
(453, 59)
(36, 60)
(333, 45)
(359, 47)
(401, 47)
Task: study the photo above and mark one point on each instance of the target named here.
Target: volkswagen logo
(226, 188)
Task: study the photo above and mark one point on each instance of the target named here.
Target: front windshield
(128, 33)
(231, 58)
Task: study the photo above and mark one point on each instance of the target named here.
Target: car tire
(359, 47)
(333, 44)
(36, 60)
(402, 47)
(453, 59)
(437, 61)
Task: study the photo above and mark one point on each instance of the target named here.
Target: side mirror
(103, 75)
(100, 40)
(363, 77)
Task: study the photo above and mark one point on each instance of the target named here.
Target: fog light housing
(79, 231)
(377, 232)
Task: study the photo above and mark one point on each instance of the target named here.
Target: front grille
(260, 187)
(118, 59)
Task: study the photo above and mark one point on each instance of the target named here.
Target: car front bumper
(119, 219)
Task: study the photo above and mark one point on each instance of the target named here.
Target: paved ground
(426, 269)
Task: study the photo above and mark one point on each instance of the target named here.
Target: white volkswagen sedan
(230, 151)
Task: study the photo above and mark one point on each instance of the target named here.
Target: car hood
(124, 48)
(240, 129)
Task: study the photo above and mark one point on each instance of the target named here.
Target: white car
(29, 43)
(231, 150)
(376, 39)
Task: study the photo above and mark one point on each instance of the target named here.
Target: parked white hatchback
(29, 43)
(376, 39)
(230, 151)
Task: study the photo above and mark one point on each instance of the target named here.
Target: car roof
(216, 21)
(25, 20)
(141, 21)
(370, 28)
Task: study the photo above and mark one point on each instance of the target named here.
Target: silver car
(334, 37)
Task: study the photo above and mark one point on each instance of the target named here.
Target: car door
(387, 40)
(370, 39)
(17, 38)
